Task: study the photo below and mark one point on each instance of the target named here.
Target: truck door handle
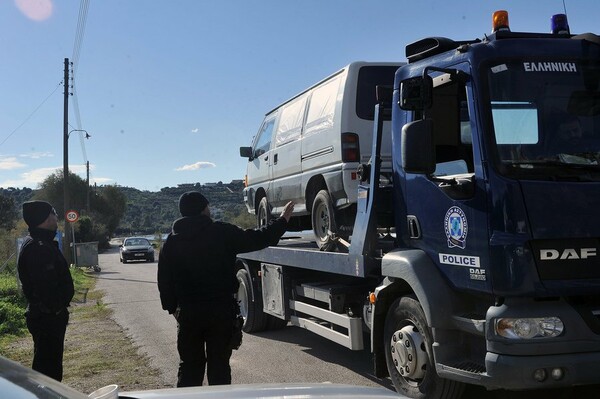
(275, 159)
(414, 229)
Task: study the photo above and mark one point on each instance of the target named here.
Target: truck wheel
(409, 355)
(263, 213)
(254, 318)
(323, 221)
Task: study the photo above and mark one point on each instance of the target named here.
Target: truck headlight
(528, 328)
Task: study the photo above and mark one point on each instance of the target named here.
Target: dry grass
(97, 351)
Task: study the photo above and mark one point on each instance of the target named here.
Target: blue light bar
(559, 24)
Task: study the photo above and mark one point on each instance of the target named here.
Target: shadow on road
(360, 362)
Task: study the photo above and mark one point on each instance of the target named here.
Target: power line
(79, 34)
(80, 31)
(32, 113)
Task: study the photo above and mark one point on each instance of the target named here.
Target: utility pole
(87, 187)
(66, 238)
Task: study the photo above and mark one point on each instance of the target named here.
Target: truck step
(466, 371)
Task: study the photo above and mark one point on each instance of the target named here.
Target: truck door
(452, 217)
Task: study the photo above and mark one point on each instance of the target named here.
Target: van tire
(263, 213)
(323, 221)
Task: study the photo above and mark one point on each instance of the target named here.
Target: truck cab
(496, 159)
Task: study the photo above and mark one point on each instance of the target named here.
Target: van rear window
(368, 78)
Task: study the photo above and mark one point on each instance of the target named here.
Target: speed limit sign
(72, 216)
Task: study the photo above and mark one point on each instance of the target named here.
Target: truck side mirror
(415, 93)
(246, 152)
(418, 151)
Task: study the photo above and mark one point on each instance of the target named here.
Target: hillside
(149, 212)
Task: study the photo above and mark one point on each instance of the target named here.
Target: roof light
(559, 24)
(500, 21)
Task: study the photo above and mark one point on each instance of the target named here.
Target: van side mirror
(246, 152)
(418, 151)
(415, 93)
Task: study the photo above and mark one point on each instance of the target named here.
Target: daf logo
(567, 253)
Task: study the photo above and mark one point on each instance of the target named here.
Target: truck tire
(323, 221)
(255, 319)
(263, 213)
(409, 355)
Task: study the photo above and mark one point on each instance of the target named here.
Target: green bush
(9, 290)
(12, 319)
(13, 303)
(12, 306)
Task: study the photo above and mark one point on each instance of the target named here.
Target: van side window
(263, 141)
(322, 107)
(290, 121)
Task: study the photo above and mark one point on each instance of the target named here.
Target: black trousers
(203, 343)
(48, 332)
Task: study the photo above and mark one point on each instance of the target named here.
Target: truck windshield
(546, 118)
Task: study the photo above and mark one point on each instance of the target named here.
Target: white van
(307, 150)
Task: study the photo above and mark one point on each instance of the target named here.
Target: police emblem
(455, 225)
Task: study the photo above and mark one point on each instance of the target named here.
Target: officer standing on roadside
(197, 281)
(48, 288)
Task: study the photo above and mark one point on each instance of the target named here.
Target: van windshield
(368, 78)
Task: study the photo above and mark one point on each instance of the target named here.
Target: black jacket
(197, 262)
(44, 273)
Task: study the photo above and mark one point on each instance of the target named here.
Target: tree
(8, 213)
(51, 190)
(107, 205)
(111, 204)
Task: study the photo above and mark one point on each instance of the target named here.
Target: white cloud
(34, 177)
(37, 155)
(10, 163)
(196, 166)
(196, 130)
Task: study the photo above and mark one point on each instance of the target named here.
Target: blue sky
(170, 89)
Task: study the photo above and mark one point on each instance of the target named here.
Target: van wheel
(323, 221)
(409, 355)
(263, 213)
(254, 318)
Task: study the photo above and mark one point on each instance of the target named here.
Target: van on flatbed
(307, 150)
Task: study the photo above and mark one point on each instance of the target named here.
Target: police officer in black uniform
(197, 281)
(48, 287)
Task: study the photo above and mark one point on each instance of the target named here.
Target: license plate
(139, 255)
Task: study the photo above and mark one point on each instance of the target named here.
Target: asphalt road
(290, 355)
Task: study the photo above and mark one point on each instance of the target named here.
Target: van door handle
(275, 159)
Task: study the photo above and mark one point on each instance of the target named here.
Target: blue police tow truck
(490, 271)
